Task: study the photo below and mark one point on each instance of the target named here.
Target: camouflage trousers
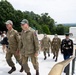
(9, 55)
(46, 50)
(34, 61)
(55, 52)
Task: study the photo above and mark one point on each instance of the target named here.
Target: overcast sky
(62, 11)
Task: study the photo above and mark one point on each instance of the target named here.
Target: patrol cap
(66, 34)
(24, 21)
(45, 34)
(9, 22)
(56, 35)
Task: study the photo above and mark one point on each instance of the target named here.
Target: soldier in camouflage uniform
(29, 47)
(45, 45)
(55, 45)
(13, 49)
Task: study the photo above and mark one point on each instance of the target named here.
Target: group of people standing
(26, 45)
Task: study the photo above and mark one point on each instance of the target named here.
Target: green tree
(66, 29)
(6, 12)
(43, 23)
(45, 29)
(60, 29)
(47, 20)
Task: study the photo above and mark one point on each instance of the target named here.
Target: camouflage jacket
(28, 42)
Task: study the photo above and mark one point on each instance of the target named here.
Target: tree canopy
(43, 23)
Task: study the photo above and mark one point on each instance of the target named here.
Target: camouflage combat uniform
(13, 40)
(28, 47)
(55, 45)
(45, 46)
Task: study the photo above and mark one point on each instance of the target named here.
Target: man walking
(29, 47)
(45, 45)
(13, 40)
(67, 49)
(55, 46)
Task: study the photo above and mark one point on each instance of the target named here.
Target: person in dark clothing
(4, 43)
(67, 49)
